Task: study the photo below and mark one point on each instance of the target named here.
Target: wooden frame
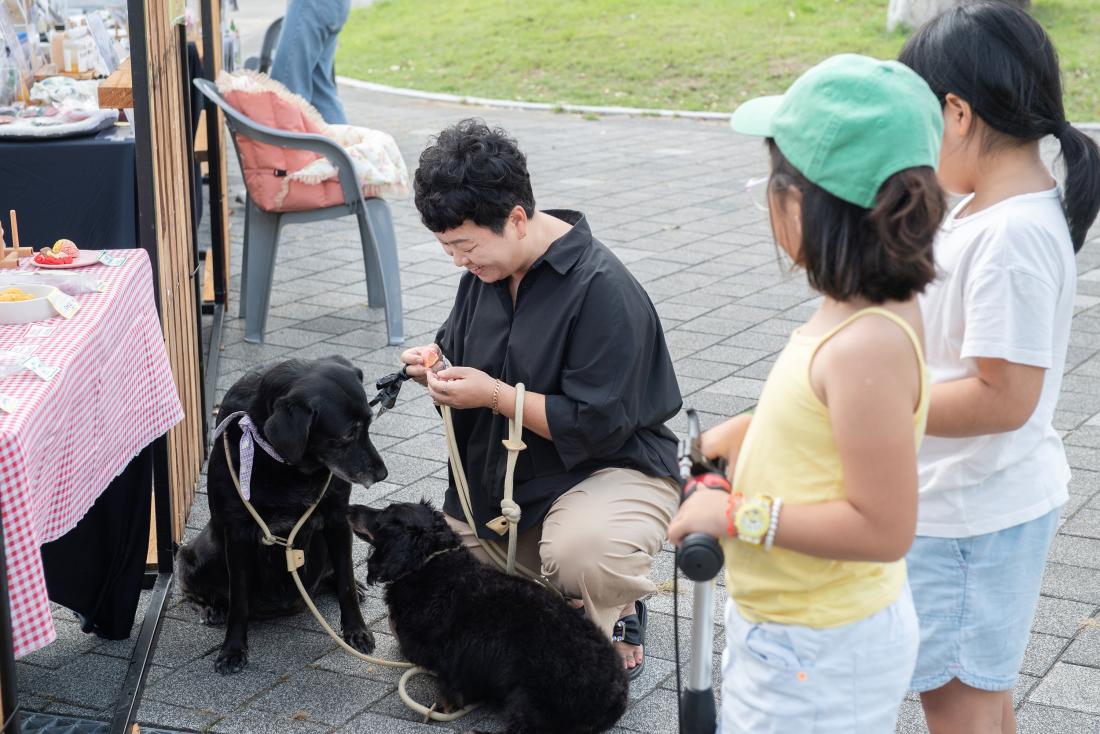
(164, 226)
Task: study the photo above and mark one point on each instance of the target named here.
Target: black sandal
(631, 630)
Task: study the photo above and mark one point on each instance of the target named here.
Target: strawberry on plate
(48, 257)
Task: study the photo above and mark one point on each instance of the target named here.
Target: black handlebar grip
(700, 557)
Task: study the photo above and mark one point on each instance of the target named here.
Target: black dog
(489, 637)
(316, 416)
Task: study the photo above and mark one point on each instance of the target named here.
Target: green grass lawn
(680, 54)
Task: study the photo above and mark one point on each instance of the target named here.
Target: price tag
(63, 303)
(8, 404)
(39, 331)
(107, 258)
(40, 368)
(24, 350)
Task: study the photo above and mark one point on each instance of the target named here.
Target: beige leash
(508, 521)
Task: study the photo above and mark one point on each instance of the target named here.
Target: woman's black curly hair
(472, 172)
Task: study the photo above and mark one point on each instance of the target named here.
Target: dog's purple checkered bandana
(250, 436)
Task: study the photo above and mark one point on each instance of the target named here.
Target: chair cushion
(267, 168)
(379, 167)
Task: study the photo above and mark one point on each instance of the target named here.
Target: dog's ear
(341, 359)
(288, 427)
(440, 527)
(362, 519)
(398, 554)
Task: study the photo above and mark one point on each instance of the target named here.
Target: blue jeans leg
(325, 96)
(304, 57)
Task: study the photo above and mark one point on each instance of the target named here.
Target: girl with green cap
(821, 634)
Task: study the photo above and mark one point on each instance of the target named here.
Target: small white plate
(85, 258)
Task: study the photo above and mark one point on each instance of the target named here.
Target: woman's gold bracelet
(496, 397)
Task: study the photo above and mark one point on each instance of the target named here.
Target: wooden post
(164, 226)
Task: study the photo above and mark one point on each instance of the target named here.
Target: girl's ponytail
(1000, 60)
(1081, 193)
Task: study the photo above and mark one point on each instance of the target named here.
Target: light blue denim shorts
(975, 598)
(789, 679)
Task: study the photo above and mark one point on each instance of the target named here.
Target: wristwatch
(753, 519)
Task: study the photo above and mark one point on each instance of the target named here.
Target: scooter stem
(698, 713)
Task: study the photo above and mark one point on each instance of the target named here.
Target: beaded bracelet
(769, 539)
(496, 396)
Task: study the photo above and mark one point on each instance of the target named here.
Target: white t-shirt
(1005, 289)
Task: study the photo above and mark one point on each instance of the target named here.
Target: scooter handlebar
(700, 557)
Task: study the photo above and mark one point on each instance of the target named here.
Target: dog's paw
(231, 661)
(212, 616)
(361, 639)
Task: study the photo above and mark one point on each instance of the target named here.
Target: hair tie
(1061, 127)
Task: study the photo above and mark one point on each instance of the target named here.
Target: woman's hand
(461, 387)
(703, 512)
(414, 359)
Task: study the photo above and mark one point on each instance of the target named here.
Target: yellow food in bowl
(9, 295)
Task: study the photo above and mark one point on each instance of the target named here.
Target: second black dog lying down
(490, 637)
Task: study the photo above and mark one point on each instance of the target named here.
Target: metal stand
(141, 659)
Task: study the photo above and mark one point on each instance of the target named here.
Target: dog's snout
(379, 472)
(362, 518)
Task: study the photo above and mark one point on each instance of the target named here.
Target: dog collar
(427, 560)
(250, 437)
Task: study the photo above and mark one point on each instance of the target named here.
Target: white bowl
(34, 309)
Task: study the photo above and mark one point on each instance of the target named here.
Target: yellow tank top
(789, 452)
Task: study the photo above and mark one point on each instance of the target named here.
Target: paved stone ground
(666, 196)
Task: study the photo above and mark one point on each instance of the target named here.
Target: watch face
(754, 521)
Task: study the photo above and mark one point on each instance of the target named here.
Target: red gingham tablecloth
(69, 437)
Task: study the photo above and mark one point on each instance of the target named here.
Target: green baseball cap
(850, 123)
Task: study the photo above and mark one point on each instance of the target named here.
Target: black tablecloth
(83, 189)
(96, 569)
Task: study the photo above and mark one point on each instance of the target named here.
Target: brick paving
(666, 196)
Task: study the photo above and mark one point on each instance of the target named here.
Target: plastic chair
(261, 228)
(262, 63)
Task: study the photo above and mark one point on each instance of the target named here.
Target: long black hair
(1000, 60)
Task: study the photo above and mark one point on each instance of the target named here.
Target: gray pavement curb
(540, 106)
(512, 104)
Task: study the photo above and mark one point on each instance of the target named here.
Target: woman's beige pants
(598, 541)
